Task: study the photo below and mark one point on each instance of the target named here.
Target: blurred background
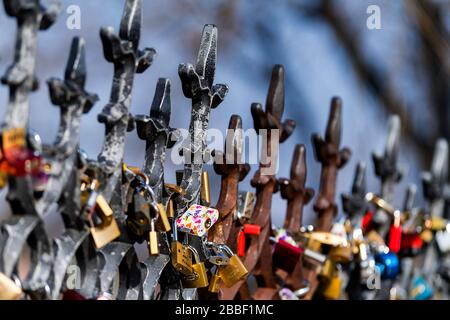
(326, 48)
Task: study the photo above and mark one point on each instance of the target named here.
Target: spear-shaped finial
(229, 166)
(259, 254)
(294, 190)
(387, 169)
(435, 181)
(69, 94)
(121, 50)
(354, 204)
(155, 130)
(20, 77)
(197, 83)
(332, 158)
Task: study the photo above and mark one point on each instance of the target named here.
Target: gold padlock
(437, 223)
(341, 254)
(374, 237)
(234, 271)
(181, 256)
(175, 188)
(215, 283)
(170, 209)
(162, 223)
(8, 288)
(153, 241)
(102, 207)
(104, 235)
(205, 193)
(332, 289)
(13, 138)
(108, 230)
(327, 270)
(198, 278)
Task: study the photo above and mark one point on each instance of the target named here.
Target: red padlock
(286, 256)
(252, 229)
(241, 244)
(395, 234)
(366, 220)
(411, 244)
(247, 229)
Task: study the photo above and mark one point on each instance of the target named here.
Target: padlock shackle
(196, 254)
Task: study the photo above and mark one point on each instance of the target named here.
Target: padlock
(247, 230)
(332, 289)
(103, 225)
(395, 233)
(170, 209)
(241, 244)
(153, 241)
(374, 237)
(420, 289)
(9, 290)
(341, 254)
(327, 238)
(216, 255)
(205, 193)
(366, 220)
(216, 281)
(197, 220)
(331, 281)
(181, 256)
(387, 264)
(437, 223)
(234, 271)
(286, 256)
(327, 270)
(245, 203)
(163, 223)
(198, 277)
(411, 244)
(138, 215)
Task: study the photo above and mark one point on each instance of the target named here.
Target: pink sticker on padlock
(197, 220)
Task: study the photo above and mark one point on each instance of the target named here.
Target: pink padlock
(197, 220)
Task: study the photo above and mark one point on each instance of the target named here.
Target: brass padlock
(9, 290)
(108, 230)
(330, 279)
(215, 283)
(341, 254)
(104, 229)
(153, 241)
(205, 193)
(162, 223)
(181, 256)
(170, 209)
(198, 277)
(234, 271)
(332, 289)
(327, 270)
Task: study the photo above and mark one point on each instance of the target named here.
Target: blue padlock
(420, 289)
(387, 264)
